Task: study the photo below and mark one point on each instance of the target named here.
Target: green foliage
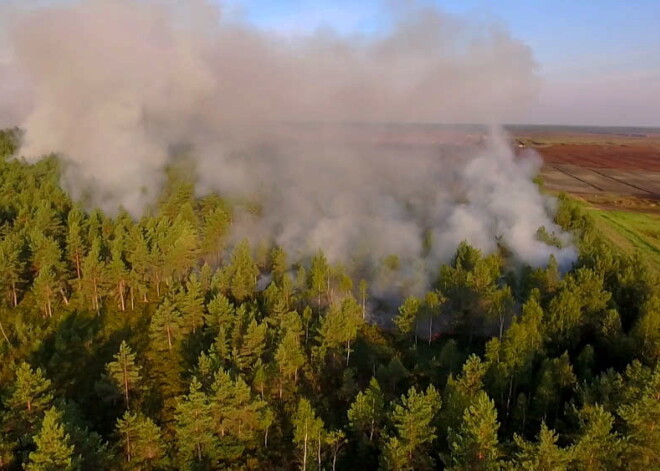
(124, 372)
(53, 449)
(413, 421)
(475, 445)
(141, 441)
(238, 360)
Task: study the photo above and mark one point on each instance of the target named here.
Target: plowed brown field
(601, 171)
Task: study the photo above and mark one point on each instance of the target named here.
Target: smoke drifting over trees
(118, 88)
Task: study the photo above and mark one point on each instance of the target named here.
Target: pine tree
(27, 400)
(363, 288)
(45, 288)
(194, 425)
(475, 445)
(413, 420)
(252, 346)
(192, 303)
(642, 416)
(93, 276)
(319, 277)
(366, 414)
(290, 358)
(597, 446)
(74, 241)
(167, 327)
(279, 264)
(54, 450)
(406, 320)
(31, 393)
(244, 272)
(118, 274)
(307, 432)
(141, 440)
(340, 326)
(433, 301)
(11, 267)
(544, 455)
(124, 372)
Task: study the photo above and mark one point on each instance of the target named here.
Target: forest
(163, 343)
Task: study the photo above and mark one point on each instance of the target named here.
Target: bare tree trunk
(128, 447)
(304, 467)
(78, 266)
(121, 296)
(128, 407)
(2, 329)
(64, 298)
(14, 294)
(430, 328)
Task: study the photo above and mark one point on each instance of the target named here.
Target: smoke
(114, 85)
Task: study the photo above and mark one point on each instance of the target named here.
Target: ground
(615, 172)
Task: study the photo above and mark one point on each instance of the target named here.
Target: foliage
(161, 343)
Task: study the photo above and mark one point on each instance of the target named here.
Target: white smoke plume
(113, 85)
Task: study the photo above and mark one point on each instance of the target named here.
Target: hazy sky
(599, 59)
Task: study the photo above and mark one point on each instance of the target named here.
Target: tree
(194, 425)
(290, 357)
(54, 450)
(366, 414)
(252, 346)
(45, 287)
(474, 446)
(124, 372)
(279, 264)
(434, 299)
(646, 330)
(192, 303)
(307, 431)
(118, 275)
(319, 277)
(243, 272)
(75, 245)
(363, 288)
(413, 420)
(141, 440)
(597, 447)
(166, 328)
(460, 392)
(406, 320)
(336, 439)
(501, 307)
(340, 326)
(642, 417)
(238, 417)
(11, 267)
(545, 455)
(93, 276)
(29, 398)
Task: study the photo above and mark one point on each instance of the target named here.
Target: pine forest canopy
(162, 343)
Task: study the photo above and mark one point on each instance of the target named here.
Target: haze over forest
(233, 241)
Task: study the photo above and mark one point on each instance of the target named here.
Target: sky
(599, 60)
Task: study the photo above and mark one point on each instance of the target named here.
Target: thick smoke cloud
(114, 85)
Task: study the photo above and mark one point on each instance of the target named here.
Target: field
(616, 172)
